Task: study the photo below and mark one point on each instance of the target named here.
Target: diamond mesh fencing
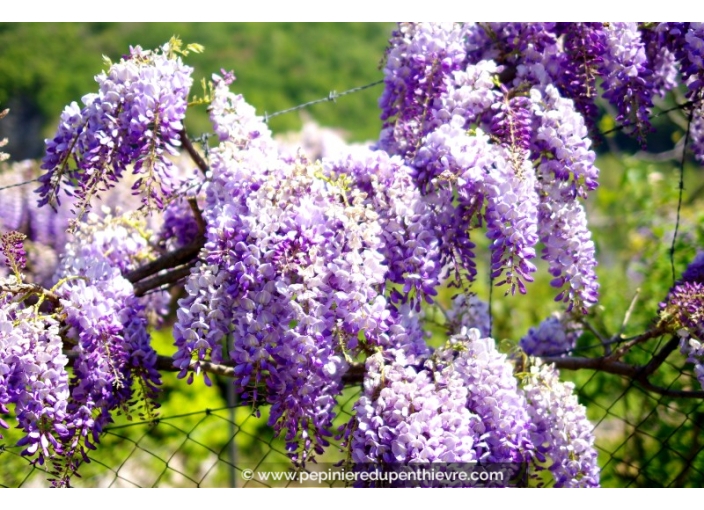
(201, 448)
(644, 440)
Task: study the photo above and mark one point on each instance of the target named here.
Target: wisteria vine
(298, 275)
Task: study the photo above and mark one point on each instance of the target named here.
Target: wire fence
(643, 440)
(202, 448)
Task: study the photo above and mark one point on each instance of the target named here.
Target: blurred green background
(643, 440)
(277, 65)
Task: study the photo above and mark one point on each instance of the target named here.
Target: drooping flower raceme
(482, 173)
(104, 328)
(419, 59)
(627, 77)
(460, 404)
(661, 60)
(581, 66)
(33, 378)
(410, 244)
(404, 417)
(529, 50)
(471, 179)
(561, 433)
(292, 266)
(555, 336)
(493, 395)
(108, 328)
(135, 117)
(566, 173)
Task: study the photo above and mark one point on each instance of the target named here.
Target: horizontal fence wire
(333, 96)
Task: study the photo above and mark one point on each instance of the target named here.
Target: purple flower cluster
(410, 245)
(555, 336)
(511, 211)
(685, 304)
(484, 177)
(661, 60)
(636, 62)
(235, 121)
(566, 170)
(511, 124)
(511, 219)
(686, 40)
(627, 77)
(406, 416)
(135, 117)
(107, 327)
(246, 150)
(33, 378)
(442, 408)
(560, 141)
(12, 247)
(684, 309)
(685, 301)
(470, 180)
(421, 56)
(449, 156)
(292, 267)
(468, 94)
(561, 432)
(584, 45)
(529, 50)
(492, 395)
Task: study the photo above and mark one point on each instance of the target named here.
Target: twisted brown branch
(602, 364)
(168, 278)
(176, 258)
(659, 330)
(195, 155)
(637, 373)
(30, 288)
(660, 357)
(184, 256)
(647, 385)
